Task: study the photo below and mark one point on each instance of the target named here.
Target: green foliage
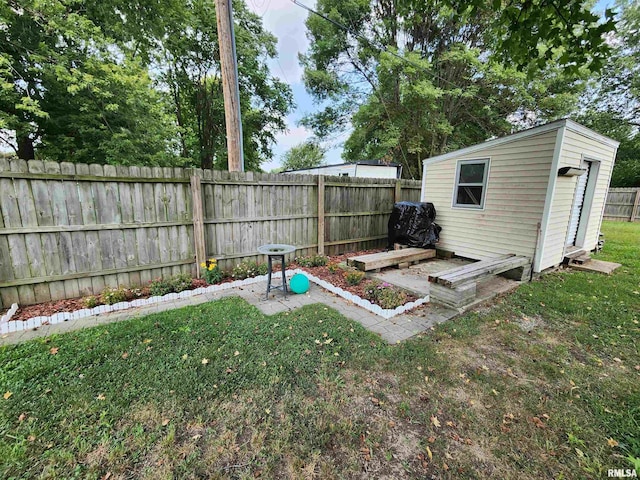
(312, 261)
(308, 154)
(333, 267)
(190, 70)
(439, 88)
(112, 296)
(160, 287)
(612, 104)
(531, 33)
(91, 301)
(211, 271)
(106, 82)
(181, 282)
(248, 269)
(353, 277)
(175, 284)
(385, 294)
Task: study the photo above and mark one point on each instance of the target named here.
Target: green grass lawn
(545, 383)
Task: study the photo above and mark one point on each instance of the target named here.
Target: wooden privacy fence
(68, 230)
(623, 204)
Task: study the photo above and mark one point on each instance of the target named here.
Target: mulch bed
(337, 279)
(47, 309)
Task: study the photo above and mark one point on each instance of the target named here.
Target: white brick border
(8, 326)
(7, 316)
(366, 304)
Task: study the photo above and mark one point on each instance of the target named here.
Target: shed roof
(375, 163)
(555, 125)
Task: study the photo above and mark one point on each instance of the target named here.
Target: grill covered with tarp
(413, 224)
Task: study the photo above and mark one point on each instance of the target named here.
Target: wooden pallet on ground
(376, 261)
(457, 287)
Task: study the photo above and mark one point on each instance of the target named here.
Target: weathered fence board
(68, 230)
(623, 204)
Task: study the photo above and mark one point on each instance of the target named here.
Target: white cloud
(286, 21)
(284, 141)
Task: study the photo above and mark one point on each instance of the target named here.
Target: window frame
(484, 184)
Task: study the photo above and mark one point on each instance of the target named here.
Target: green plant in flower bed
(181, 282)
(111, 296)
(160, 286)
(177, 284)
(385, 294)
(333, 267)
(313, 261)
(248, 269)
(211, 271)
(353, 277)
(91, 301)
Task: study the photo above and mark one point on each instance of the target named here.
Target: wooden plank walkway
(375, 261)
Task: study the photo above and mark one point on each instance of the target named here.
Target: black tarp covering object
(412, 224)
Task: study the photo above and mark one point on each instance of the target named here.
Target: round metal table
(277, 251)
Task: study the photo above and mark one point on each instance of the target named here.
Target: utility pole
(230, 88)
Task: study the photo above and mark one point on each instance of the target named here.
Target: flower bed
(378, 297)
(332, 271)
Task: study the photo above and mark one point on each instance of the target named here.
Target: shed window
(471, 183)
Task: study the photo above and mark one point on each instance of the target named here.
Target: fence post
(320, 214)
(397, 193)
(198, 221)
(632, 217)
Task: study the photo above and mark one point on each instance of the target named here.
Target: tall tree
(612, 104)
(68, 93)
(132, 82)
(419, 78)
(190, 64)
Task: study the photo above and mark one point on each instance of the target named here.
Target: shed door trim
(578, 205)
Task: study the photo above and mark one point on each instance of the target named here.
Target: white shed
(363, 168)
(539, 193)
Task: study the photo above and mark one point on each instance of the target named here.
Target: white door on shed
(578, 202)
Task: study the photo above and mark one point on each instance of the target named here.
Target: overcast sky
(286, 21)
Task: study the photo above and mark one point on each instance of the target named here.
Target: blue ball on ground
(299, 283)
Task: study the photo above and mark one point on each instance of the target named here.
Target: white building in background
(364, 168)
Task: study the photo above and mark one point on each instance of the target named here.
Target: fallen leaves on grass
(538, 423)
(165, 422)
(612, 443)
(204, 361)
(7, 395)
(125, 355)
(435, 421)
(54, 350)
(429, 453)
(101, 397)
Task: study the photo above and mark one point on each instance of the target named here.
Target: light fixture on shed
(571, 172)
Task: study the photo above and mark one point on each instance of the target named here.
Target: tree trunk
(25, 148)
(207, 161)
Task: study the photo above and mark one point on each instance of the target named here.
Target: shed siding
(514, 201)
(576, 147)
